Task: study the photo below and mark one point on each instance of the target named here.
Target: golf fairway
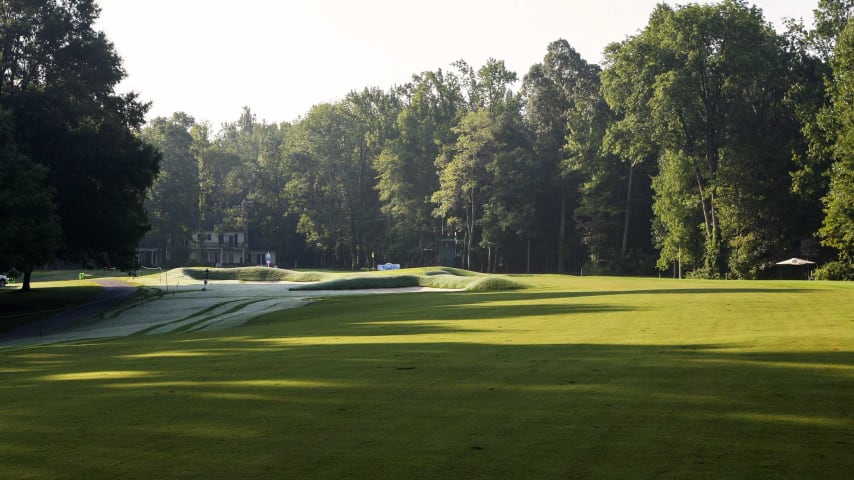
(573, 378)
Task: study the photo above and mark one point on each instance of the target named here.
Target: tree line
(708, 144)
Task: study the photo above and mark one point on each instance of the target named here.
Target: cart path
(112, 293)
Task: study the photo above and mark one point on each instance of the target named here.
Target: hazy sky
(209, 58)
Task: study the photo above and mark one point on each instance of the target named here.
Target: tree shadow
(255, 405)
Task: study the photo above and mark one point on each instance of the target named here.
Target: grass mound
(254, 274)
(362, 282)
(494, 284)
(459, 272)
(442, 277)
(453, 279)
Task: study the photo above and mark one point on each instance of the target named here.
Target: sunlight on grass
(349, 340)
(40, 356)
(100, 375)
(793, 419)
(174, 354)
(239, 396)
(575, 378)
(233, 384)
(848, 369)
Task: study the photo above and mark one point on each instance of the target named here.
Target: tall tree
(510, 206)
(173, 201)
(332, 183)
(837, 230)
(407, 175)
(31, 232)
(712, 80)
(464, 181)
(57, 80)
(557, 90)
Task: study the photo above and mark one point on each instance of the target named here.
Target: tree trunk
(702, 192)
(562, 235)
(473, 221)
(528, 263)
(625, 245)
(717, 262)
(25, 286)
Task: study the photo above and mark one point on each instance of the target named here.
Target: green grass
(572, 378)
(447, 278)
(45, 299)
(255, 274)
(436, 277)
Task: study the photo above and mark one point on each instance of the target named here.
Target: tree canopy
(707, 143)
(57, 84)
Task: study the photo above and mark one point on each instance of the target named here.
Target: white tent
(795, 261)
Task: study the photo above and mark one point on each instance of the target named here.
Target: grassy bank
(447, 278)
(255, 274)
(572, 378)
(434, 277)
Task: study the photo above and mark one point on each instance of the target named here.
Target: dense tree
(712, 81)
(173, 200)
(548, 92)
(464, 180)
(331, 189)
(510, 206)
(57, 80)
(683, 142)
(30, 233)
(407, 175)
(838, 228)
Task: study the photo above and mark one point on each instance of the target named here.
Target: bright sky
(209, 58)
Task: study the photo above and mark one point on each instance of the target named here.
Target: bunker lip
(181, 306)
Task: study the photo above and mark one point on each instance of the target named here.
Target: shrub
(835, 271)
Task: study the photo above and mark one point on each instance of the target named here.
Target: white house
(227, 249)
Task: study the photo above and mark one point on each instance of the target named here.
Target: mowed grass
(574, 378)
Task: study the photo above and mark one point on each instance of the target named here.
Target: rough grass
(573, 378)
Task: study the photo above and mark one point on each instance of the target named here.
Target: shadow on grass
(19, 308)
(533, 296)
(248, 406)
